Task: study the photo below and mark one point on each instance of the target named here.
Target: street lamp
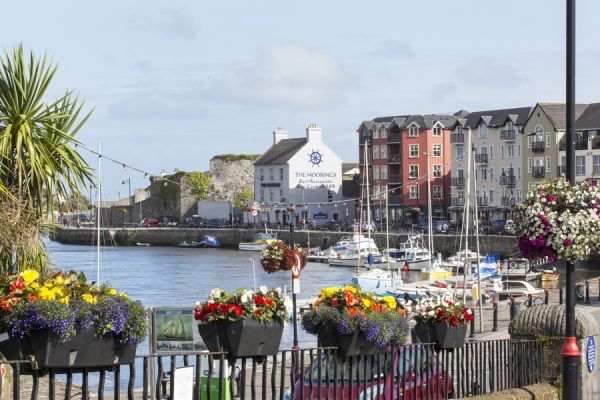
(130, 206)
(291, 210)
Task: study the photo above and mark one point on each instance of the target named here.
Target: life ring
(512, 265)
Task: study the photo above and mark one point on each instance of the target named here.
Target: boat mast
(429, 216)
(368, 193)
(477, 249)
(466, 268)
(387, 234)
(98, 212)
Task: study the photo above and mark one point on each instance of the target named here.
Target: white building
(300, 173)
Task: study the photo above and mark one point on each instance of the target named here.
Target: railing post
(472, 334)
(546, 296)
(495, 305)
(529, 300)
(598, 289)
(513, 308)
(560, 295)
(587, 292)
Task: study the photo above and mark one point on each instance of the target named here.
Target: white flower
(198, 303)
(278, 291)
(245, 297)
(215, 293)
(263, 289)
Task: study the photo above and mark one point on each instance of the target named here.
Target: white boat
(517, 289)
(399, 253)
(360, 251)
(261, 240)
(417, 259)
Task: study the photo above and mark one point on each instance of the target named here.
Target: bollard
(513, 308)
(560, 295)
(495, 304)
(472, 334)
(587, 292)
(529, 300)
(546, 296)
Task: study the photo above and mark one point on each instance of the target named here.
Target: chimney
(313, 133)
(279, 134)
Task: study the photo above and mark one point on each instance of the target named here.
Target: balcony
(507, 134)
(538, 172)
(481, 158)
(363, 139)
(506, 201)
(538, 146)
(457, 201)
(457, 138)
(394, 138)
(394, 158)
(482, 201)
(394, 178)
(457, 181)
(561, 170)
(508, 180)
(394, 200)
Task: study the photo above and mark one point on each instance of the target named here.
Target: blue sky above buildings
(174, 83)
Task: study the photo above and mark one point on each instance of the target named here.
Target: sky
(173, 83)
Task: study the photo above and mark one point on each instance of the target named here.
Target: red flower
(269, 301)
(211, 308)
(198, 314)
(237, 309)
(259, 300)
(224, 308)
(258, 313)
(18, 285)
(454, 320)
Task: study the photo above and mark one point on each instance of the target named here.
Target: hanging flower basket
(445, 324)
(278, 256)
(348, 345)
(559, 221)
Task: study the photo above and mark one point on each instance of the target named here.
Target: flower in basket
(380, 321)
(559, 221)
(263, 305)
(277, 255)
(453, 314)
(64, 304)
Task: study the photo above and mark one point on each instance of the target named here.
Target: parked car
(375, 377)
(509, 227)
(335, 226)
(214, 223)
(495, 227)
(169, 221)
(195, 221)
(150, 222)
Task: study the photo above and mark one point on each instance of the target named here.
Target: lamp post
(570, 351)
(130, 205)
(295, 288)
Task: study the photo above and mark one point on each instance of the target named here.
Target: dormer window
(483, 131)
(413, 131)
(437, 130)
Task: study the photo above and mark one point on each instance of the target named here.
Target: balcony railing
(457, 181)
(394, 178)
(363, 139)
(538, 172)
(394, 158)
(482, 201)
(457, 138)
(507, 134)
(507, 201)
(538, 146)
(457, 201)
(508, 180)
(481, 158)
(395, 200)
(394, 138)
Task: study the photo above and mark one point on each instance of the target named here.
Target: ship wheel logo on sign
(315, 158)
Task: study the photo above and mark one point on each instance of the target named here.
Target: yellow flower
(35, 285)
(390, 301)
(328, 292)
(48, 284)
(64, 300)
(123, 294)
(366, 302)
(112, 291)
(57, 292)
(88, 298)
(58, 280)
(350, 288)
(30, 275)
(45, 293)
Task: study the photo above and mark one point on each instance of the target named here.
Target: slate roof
(557, 113)
(281, 152)
(590, 118)
(497, 118)
(423, 121)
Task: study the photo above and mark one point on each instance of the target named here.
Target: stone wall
(542, 391)
(230, 174)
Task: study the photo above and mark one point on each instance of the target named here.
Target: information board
(175, 330)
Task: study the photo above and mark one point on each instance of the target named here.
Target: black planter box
(443, 335)
(349, 345)
(243, 338)
(83, 350)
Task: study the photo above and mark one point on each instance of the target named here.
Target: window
(329, 196)
(271, 177)
(271, 195)
(414, 192)
(437, 130)
(596, 165)
(281, 198)
(375, 152)
(262, 175)
(262, 194)
(483, 131)
(281, 174)
(384, 172)
(510, 150)
(483, 174)
(384, 133)
(547, 139)
(580, 165)
(437, 150)
(547, 164)
(437, 191)
(437, 170)
(501, 151)
(491, 196)
(376, 134)
(376, 172)
(518, 150)
(413, 131)
(529, 164)
(518, 172)
(491, 151)
(413, 151)
(413, 171)
(460, 152)
(383, 150)
(539, 134)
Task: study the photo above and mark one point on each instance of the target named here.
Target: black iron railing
(410, 371)
(507, 134)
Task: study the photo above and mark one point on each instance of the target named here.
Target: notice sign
(175, 330)
(591, 354)
(184, 383)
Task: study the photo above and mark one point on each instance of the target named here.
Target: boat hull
(252, 246)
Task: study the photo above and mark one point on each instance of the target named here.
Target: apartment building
(496, 170)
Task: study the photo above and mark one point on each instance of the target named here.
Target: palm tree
(38, 156)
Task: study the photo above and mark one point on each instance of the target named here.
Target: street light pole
(570, 351)
(130, 205)
(295, 289)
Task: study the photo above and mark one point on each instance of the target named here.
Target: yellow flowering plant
(65, 303)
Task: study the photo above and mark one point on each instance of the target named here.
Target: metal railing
(507, 134)
(481, 158)
(538, 146)
(508, 180)
(538, 172)
(409, 371)
(457, 138)
(394, 158)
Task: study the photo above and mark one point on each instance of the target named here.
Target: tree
(38, 157)
(241, 197)
(199, 182)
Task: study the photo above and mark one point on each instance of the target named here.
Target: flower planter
(242, 338)
(83, 350)
(443, 335)
(349, 345)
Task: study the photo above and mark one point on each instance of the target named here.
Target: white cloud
(289, 75)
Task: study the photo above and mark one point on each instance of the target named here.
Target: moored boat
(260, 241)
